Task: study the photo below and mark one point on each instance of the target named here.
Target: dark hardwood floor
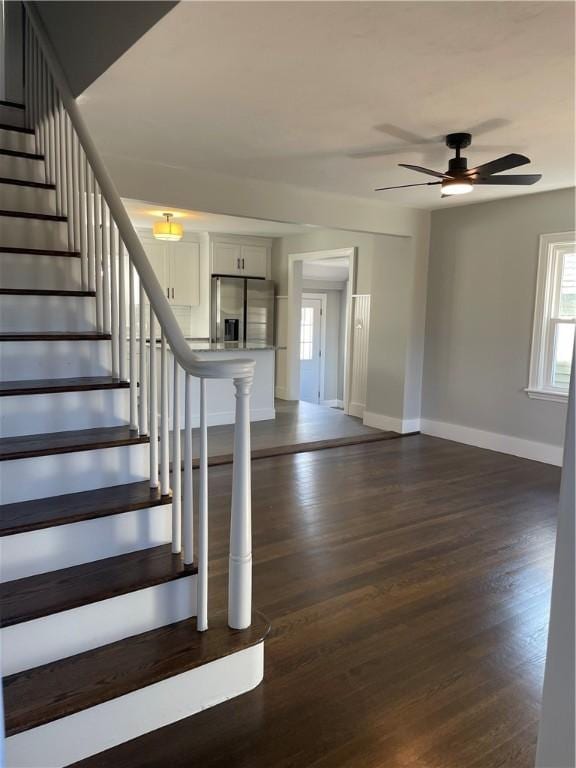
(298, 426)
(407, 583)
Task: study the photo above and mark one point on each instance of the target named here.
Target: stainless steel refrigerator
(242, 310)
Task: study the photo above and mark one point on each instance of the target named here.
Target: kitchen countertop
(205, 345)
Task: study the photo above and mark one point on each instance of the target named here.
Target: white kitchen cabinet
(254, 260)
(240, 259)
(177, 267)
(226, 259)
(184, 273)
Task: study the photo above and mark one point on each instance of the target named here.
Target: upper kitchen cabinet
(177, 267)
(242, 259)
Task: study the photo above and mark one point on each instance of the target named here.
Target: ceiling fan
(459, 179)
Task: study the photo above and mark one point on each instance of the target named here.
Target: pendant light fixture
(168, 230)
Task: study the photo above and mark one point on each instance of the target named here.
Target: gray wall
(11, 47)
(90, 36)
(481, 287)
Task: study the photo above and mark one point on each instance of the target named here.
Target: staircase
(105, 629)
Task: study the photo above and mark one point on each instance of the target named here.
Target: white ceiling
(144, 215)
(291, 91)
(332, 270)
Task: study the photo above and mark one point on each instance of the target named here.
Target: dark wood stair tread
(48, 593)
(14, 104)
(20, 153)
(27, 182)
(42, 292)
(70, 441)
(24, 516)
(18, 128)
(55, 690)
(55, 336)
(32, 215)
(49, 386)
(40, 251)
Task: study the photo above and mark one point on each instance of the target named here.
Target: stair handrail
(190, 362)
(101, 233)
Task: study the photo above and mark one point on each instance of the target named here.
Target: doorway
(312, 347)
(320, 291)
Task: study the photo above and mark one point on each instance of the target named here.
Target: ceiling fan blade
(402, 186)
(425, 170)
(505, 180)
(500, 164)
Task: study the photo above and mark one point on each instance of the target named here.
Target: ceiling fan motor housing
(457, 166)
(458, 140)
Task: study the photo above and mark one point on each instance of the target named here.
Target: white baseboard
(356, 409)
(280, 393)
(332, 403)
(494, 441)
(390, 423)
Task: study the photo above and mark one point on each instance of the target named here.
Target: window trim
(551, 246)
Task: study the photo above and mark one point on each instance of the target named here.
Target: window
(554, 318)
(306, 333)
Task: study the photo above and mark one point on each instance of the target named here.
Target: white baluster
(132, 330)
(75, 150)
(58, 158)
(176, 465)
(82, 215)
(121, 306)
(188, 490)
(153, 404)
(63, 174)
(98, 255)
(107, 316)
(164, 433)
(69, 181)
(114, 319)
(51, 149)
(143, 378)
(240, 561)
(202, 596)
(89, 185)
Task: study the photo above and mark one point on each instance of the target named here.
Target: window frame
(552, 248)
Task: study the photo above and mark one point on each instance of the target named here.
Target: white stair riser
(104, 726)
(61, 411)
(11, 116)
(67, 633)
(47, 313)
(22, 142)
(35, 478)
(32, 199)
(33, 233)
(23, 168)
(26, 270)
(54, 359)
(62, 546)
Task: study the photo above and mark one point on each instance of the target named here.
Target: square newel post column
(240, 561)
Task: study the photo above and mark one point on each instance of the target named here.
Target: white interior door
(310, 350)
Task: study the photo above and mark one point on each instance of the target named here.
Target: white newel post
(240, 561)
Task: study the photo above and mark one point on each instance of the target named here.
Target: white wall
(556, 742)
(481, 288)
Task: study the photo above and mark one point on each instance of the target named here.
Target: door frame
(295, 263)
(322, 297)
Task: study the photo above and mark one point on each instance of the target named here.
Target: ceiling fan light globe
(456, 187)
